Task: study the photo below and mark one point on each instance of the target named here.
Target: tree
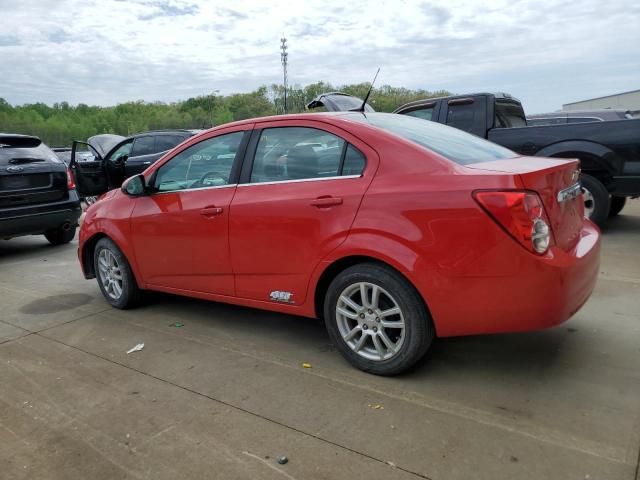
(61, 123)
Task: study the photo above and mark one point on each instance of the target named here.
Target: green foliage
(61, 123)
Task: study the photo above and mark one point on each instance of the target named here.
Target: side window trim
(249, 156)
(343, 155)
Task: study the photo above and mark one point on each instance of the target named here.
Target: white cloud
(102, 52)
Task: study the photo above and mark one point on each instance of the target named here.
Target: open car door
(88, 165)
(338, 102)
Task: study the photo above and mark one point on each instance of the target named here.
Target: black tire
(617, 204)
(418, 326)
(599, 199)
(129, 291)
(60, 236)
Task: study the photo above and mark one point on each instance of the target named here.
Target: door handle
(324, 202)
(211, 211)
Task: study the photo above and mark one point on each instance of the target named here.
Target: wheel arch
(88, 249)
(595, 159)
(338, 265)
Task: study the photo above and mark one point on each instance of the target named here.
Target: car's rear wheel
(114, 275)
(377, 319)
(60, 235)
(596, 199)
(617, 204)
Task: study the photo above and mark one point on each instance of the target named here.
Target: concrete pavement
(224, 395)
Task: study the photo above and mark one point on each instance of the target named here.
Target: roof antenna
(364, 103)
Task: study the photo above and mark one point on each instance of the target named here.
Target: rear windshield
(453, 144)
(18, 156)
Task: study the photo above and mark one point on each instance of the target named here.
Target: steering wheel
(212, 173)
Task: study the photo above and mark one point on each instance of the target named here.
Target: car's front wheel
(114, 275)
(377, 319)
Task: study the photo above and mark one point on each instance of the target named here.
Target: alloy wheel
(110, 273)
(370, 321)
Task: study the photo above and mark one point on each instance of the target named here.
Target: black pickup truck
(609, 152)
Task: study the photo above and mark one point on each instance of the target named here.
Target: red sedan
(394, 229)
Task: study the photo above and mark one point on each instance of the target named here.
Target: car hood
(105, 142)
(338, 102)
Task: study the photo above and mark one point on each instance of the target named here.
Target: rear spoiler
(18, 141)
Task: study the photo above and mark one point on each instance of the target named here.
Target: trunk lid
(556, 181)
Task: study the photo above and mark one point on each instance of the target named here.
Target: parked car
(577, 116)
(113, 158)
(378, 223)
(609, 152)
(63, 153)
(37, 192)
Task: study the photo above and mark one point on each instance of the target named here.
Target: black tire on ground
(418, 326)
(129, 293)
(596, 198)
(60, 235)
(617, 204)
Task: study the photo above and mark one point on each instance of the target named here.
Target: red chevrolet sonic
(394, 229)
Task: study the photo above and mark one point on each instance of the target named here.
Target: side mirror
(134, 186)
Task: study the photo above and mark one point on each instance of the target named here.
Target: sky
(103, 52)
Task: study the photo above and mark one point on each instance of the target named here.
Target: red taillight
(71, 183)
(521, 214)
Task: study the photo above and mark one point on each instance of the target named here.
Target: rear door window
(354, 161)
(461, 116)
(167, 142)
(296, 153)
(143, 146)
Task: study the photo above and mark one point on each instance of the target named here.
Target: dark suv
(103, 162)
(37, 192)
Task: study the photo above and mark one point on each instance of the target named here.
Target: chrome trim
(195, 189)
(569, 193)
(343, 177)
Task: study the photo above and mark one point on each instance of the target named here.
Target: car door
(300, 189)
(180, 231)
(89, 173)
(88, 164)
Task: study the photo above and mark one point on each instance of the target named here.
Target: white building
(619, 101)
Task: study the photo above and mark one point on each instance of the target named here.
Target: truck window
(462, 116)
(509, 115)
(425, 113)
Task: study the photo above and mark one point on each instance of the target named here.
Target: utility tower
(283, 58)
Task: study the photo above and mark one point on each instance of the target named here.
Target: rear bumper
(543, 292)
(34, 220)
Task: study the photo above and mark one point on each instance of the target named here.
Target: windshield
(453, 144)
